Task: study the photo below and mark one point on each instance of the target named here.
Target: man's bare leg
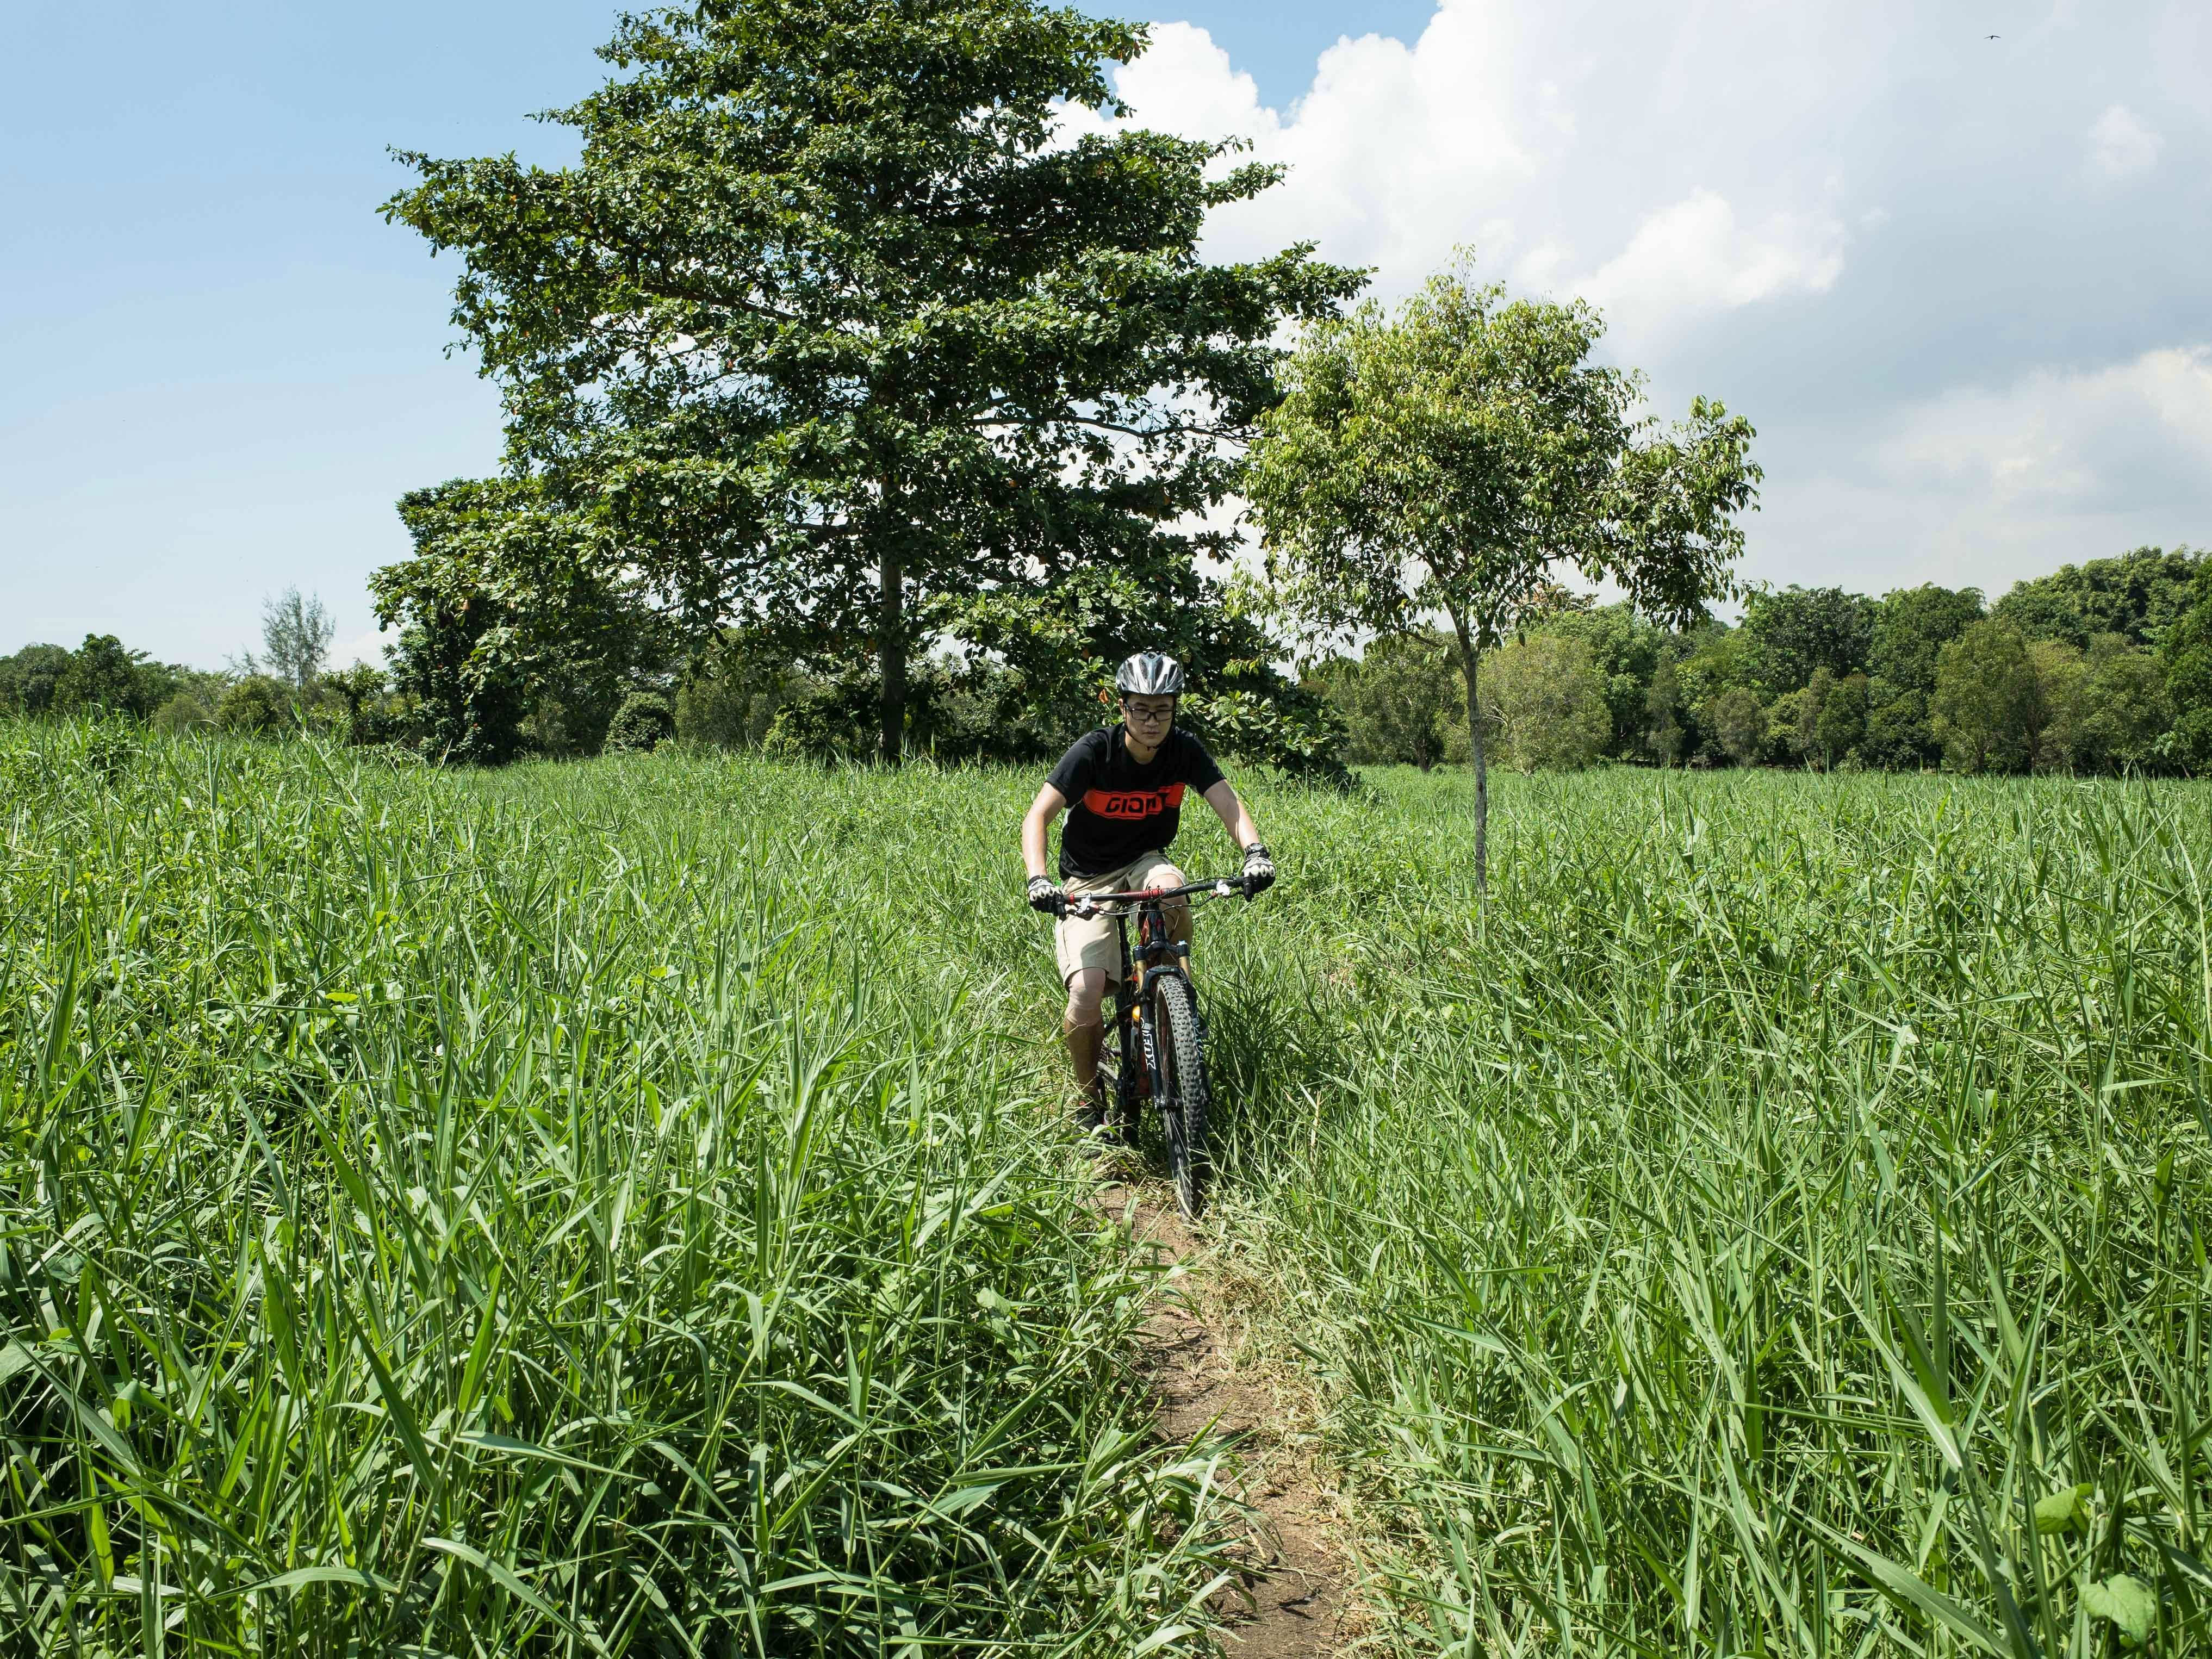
(1085, 1029)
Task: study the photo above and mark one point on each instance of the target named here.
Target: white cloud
(1693, 257)
(1982, 486)
(2121, 145)
(1185, 84)
(1500, 130)
(2063, 441)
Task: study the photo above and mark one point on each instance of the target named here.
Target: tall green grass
(587, 1209)
(618, 1207)
(1778, 1227)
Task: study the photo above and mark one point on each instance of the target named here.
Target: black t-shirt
(1118, 811)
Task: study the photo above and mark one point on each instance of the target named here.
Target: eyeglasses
(1149, 716)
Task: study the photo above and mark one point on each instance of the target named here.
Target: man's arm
(1222, 797)
(1048, 805)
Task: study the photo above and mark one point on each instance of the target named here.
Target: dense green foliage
(1921, 677)
(1876, 693)
(101, 677)
(544, 1211)
(1400, 700)
(641, 725)
(2185, 658)
(1793, 635)
(2137, 596)
(828, 333)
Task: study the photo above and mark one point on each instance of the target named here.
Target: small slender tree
(295, 640)
(1454, 458)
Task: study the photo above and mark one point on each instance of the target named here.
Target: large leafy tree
(1395, 699)
(830, 331)
(104, 675)
(1455, 457)
(1627, 649)
(27, 679)
(1911, 626)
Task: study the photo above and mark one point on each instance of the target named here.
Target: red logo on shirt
(1132, 804)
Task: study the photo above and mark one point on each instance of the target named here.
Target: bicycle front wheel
(1183, 1094)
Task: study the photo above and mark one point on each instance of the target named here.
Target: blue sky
(1957, 282)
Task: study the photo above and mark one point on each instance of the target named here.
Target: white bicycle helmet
(1150, 674)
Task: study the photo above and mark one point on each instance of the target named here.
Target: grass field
(619, 1207)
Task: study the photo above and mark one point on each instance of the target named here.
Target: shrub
(641, 725)
(258, 704)
(187, 711)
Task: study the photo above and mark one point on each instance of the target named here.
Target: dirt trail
(1295, 1602)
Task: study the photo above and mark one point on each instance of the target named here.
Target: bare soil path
(1295, 1601)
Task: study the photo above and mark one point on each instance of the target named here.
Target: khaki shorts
(1082, 942)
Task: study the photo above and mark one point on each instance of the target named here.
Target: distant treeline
(2105, 666)
(287, 687)
(636, 690)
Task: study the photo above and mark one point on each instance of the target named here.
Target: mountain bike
(1159, 1038)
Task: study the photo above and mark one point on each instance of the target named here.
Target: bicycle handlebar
(1217, 887)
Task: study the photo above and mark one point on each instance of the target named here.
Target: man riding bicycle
(1123, 788)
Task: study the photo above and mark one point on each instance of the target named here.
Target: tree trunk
(1467, 657)
(891, 648)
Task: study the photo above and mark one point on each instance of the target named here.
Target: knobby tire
(1183, 1092)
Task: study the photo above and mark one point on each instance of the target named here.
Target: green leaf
(1160, 1638)
(2128, 1603)
(299, 1577)
(2066, 1508)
